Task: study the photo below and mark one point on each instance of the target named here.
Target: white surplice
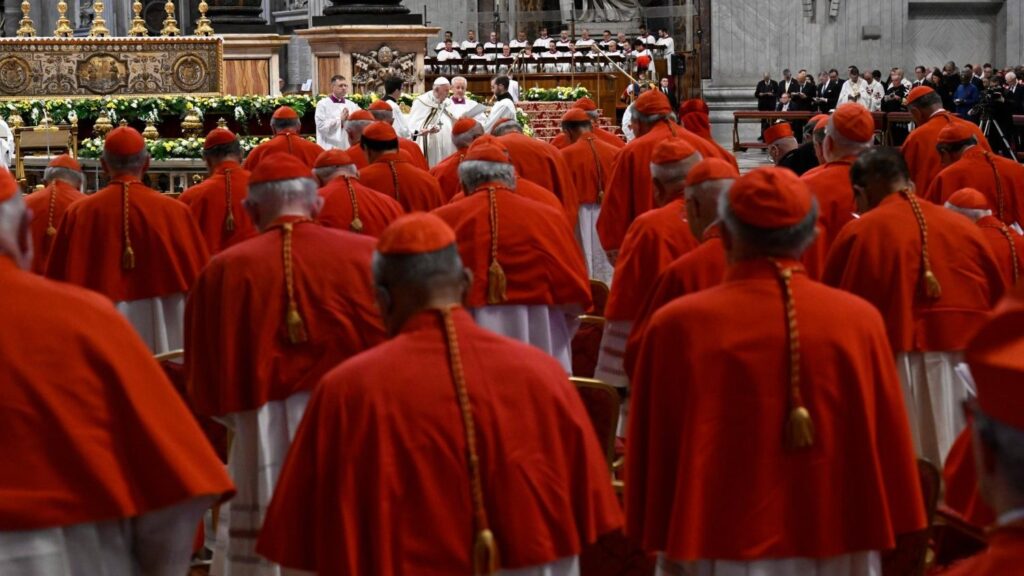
(598, 266)
(158, 321)
(856, 564)
(330, 132)
(400, 124)
(932, 393)
(503, 109)
(549, 328)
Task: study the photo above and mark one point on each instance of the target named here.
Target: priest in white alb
(431, 121)
(332, 113)
(504, 107)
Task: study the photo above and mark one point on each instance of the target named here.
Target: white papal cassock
(428, 112)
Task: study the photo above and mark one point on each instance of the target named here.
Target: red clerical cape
(288, 142)
(376, 210)
(960, 480)
(526, 189)
(831, 186)
(447, 173)
(536, 248)
(630, 193)
(590, 161)
(542, 163)
(878, 257)
(236, 340)
(919, 148)
(169, 248)
(408, 509)
(1004, 555)
(709, 474)
(358, 156)
(1007, 246)
(417, 190)
(561, 141)
(208, 203)
(93, 429)
(416, 157)
(654, 240)
(978, 169)
(61, 194)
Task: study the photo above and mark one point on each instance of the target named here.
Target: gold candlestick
(99, 25)
(64, 29)
(203, 27)
(25, 28)
(170, 23)
(138, 24)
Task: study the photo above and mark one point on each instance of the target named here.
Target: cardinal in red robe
(285, 123)
(933, 277)
(394, 176)
(529, 279)
(382, 112)
(440, 441)
(543, 164)
(1007, 245)
(996, 358)
(779, 445)
(919, 149)
(105, 469)
(464, 132)
(216, 203)
(348, 205)
(585, 104)
(137, 247)
(267, 318)
(357, 122)
(654, 240)
(967, 165)
(64, 179)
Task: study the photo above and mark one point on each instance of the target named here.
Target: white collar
(1010, 517)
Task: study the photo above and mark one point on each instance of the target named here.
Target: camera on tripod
(990, 99)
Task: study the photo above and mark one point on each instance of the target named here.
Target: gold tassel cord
(497, 283)
(600, 170)
(293, 320)
(229, 220)
(394, 177)
(128, 255)
(485, 548)
(288, 137)
(932, 289)
(356, 225)
(799, 425)
(999, 185)
(51, 209)
(1005, 231)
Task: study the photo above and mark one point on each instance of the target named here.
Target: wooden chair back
(586, 345)
(602, 403)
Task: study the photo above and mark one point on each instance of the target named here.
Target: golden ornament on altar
(150, 132)
(203, 27)
(25, 27)
(222, 123)
(102, 124)
(191, 126)
(170, 23)
(63, 29)
(99, 25)
(138, 28)
(15, 121)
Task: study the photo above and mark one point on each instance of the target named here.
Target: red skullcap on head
(653, 103)
(8, 185)
(585, 104)
(332, 157)
(486, 153)
(918, 92)
(814, 121)
(671, 150)
(499, 123)
(996, 358)
(380, 132)
(955, 132)
(643, 61)
(575, 115)
(854, 122)
(416, 233)
(218, 137)
(65, 161)
(778, 132)
(770, 198)
(279, 166)
(124, 141)
(381, 105)
(693, 105)
(361, 115)
(969, 199)
(285, 113)
(711, 169)
(463, 125)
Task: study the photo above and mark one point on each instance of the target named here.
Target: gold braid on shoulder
(999, 184)
(497, 282)
(799, 426)
(229, 220)
(932, 289)
(127, 255)
(356, 225)
(293, 320)
(600, 169)
(394, 176)
(51, 209)
(1008, 234)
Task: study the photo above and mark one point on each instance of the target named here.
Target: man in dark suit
(920, 75)
(1014, 93)
(788, 85)
(766, 93)
(828, 92)
(666, 89)
(802, 101)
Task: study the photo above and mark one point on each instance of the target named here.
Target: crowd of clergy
(379, 328)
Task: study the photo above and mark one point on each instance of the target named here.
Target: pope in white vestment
(431, 122)
(331, 113)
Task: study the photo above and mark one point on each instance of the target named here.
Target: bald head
(702, 204)
(670, 178)
(327, 173)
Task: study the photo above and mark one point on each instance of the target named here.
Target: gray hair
(594, 114)
(279, 124)
(506, 127)
(473, 173)
(1010, 76)
(383, 115)
(788, 241)
(637, 116)
(72, 177)
(974, 214)
(131, 164)
(843, 146)
(284, 192)
(675, 172)
(356, 126)
(416, 269)
(1008, 445)
(12, 213)
(458, 78)
(709, 189)
(327, 173)
(466, 138)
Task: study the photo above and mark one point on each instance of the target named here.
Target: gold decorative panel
(90, 67)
